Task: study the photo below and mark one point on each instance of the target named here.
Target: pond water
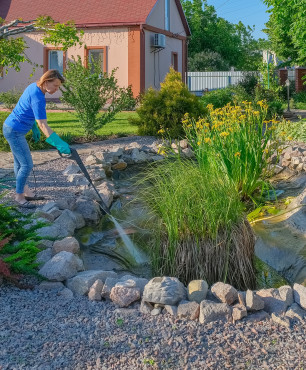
(280, 246)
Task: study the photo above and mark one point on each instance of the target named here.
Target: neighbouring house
(142, 38)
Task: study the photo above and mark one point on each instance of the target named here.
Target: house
(142, 38)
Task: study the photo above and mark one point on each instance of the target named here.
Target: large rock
(197, 290)
(188, 310)
(69, 244)
(72, 169)
(66, 203)
(110, 282)
(239, 312)
(296, 312)
(66, 223)
(225, 292)
(124, 296)
(95, 291)
(273, 302)
(299, 292)
(254, 302)
(164, 290)
(44, 256)
(89, 209)
(62, 266)
(81, 283)
(211, 311)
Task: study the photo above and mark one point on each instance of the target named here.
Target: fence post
(229, 80)
(189, 83)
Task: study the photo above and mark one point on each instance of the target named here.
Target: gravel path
(43, 330)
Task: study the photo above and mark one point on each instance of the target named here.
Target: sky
(249, 12)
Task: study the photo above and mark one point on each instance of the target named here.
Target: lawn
(65, 123)
(68, 123)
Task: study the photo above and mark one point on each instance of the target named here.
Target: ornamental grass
(199, 229)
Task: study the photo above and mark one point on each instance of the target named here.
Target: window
(167, 15)
(174, 61)
(54, 58)
(96, 54)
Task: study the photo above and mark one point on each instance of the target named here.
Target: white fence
(199, 82)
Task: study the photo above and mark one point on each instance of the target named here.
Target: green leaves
(90, 90)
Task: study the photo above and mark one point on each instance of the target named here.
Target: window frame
(86, 55)
(174, 60)
(46, 58)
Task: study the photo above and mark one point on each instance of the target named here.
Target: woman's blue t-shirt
(31, 106)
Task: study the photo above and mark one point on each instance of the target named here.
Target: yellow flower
(161, 131)
(199, 143)
(266, 150)
(224, 134)
(210, 107)
(237, 154)
(256, 113)
(289, 138)
(207, 140)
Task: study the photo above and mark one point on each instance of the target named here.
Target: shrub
(240, 140)
(249, 82)
(274, 102)
(200, 231)
(10, 98)
(18, 242)
(218, 98)
(163, 110)
(90, 90)
(288, 130)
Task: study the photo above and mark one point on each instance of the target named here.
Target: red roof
(82, 12)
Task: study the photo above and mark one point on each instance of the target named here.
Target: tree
(89, 90)
(286, 29)
(233, 42)
(12, 49)
(207, 60)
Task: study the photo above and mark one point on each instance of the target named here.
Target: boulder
(272, 300)
(188, 310)
(280, 319)
(66, 223)
(211, 311)
(66, 203)
(81, 283)
(111, 282)
(225, 292)
(95, 291)
(120, 166)
(172, 310)
(239, 312)
(44, 256)
(124, 296)
(254, 302)
(145, 307)
(156, 311)
(89, 209)
(164, 290)
(50, 285)
(197, 290)
(69, 244)
(257, 316)
(78, 179)
(92, 159)
(65, 294)
(296, 312)
(62, 266)
(48, 206)
(299, 292)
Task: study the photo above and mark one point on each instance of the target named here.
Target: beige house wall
(115, 40)
(156, 71)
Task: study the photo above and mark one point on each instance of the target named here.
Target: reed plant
(198, 219)
(240, 139)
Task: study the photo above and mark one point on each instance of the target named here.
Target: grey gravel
(43, 330)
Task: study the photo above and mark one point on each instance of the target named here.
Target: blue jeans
(23, 162)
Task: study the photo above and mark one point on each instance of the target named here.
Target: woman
(30, 107)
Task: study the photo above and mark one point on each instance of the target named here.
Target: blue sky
(249, 12)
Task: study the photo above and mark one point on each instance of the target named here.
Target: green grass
(70, 129)
(64, 123)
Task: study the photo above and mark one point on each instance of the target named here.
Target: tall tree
(232, 42)
(12, 49)
(287, 29)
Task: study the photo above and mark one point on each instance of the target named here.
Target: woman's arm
(43, 125)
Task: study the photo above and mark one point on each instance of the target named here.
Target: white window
(167, 15)
(56, 60)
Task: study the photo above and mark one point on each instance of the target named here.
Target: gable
(88, 13)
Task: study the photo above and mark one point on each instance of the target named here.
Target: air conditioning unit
(159, 41)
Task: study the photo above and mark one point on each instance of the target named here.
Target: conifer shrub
(162, 111)
(18, 244)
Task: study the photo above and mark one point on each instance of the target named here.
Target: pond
(280, 248)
